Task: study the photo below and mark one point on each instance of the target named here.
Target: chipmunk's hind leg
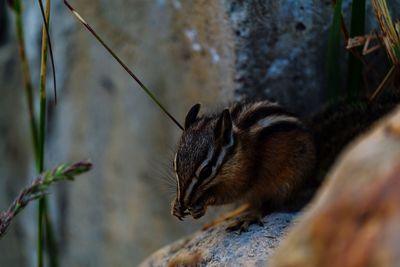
(227, 216)
(254, 215)
(242, 223)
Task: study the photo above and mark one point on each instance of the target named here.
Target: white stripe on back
(271, 120)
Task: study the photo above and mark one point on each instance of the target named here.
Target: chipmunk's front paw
(197, 211)
(242, 223)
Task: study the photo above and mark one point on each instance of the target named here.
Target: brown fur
(283, 169)
(272, 157)
(284, 166)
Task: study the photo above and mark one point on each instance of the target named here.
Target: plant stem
(390, 30)
(26, 72)
(52, 248)
(43, 71)
(39, 188)
(114, 55)
(383, 83)
(333, 64)
(38, 135)
(42, 212)
(355, 66)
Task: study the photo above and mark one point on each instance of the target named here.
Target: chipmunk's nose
(178, 210)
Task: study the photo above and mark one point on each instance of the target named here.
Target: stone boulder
(354, 220)
(216, 247)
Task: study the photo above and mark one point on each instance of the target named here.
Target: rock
(14, 152)
(279, 50)
(354, 221)
(216, 247)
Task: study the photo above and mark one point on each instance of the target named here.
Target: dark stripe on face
(213, 164)
(181, 199)
(190, 197)
(252, 117)
(237, 108)
(228, 155)
(200, 180)
(279, 127)
(214, 158)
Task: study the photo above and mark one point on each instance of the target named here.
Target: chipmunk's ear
(223, 130)
(192, 115)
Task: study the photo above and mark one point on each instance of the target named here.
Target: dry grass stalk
(390, 31)
(39, 187)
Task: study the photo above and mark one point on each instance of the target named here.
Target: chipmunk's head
(203, 148)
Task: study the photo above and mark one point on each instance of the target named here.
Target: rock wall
(118, 214)
(14, 150)
(277, 53)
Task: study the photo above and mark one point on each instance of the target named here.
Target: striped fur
(226, 144)
(255, 116)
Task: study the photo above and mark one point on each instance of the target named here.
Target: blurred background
(213, 52)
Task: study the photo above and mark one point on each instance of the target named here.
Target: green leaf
(333, 63)
(355, 66)
(397, 52)
(15, 5)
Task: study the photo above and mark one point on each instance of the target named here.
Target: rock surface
(216, 247)
(14, 151)
(354, 221)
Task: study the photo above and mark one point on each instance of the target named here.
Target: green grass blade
(38, 133)
(51, 244)
(390, 30)
(355, 66)
(383, 84)
(42, 209)
(19, 26)
(39, 188)
(333, 63)
(397, 52)
(53, 66)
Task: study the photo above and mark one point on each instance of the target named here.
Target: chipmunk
(260, 154)
(256, 153)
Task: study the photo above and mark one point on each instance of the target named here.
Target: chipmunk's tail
(337, 124)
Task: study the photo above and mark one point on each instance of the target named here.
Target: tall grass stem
(43, 216)
(114, 55)
(17, 8)
(333, 63)
(355, 66)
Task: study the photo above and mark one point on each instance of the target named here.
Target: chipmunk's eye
(205, 172)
